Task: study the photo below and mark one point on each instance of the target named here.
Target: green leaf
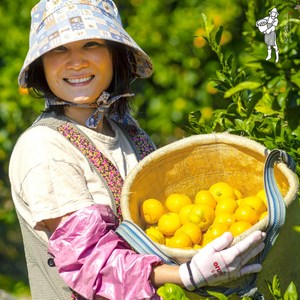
(221, 76)
(264, 105)
(195, 120)
(276, 290)
(252, 103)
(208, 24)
(217, 295)
(219, 35)
(291, 292)
(296, 79)
(246, 85)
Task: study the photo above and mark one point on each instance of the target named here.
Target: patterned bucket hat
(58, 22)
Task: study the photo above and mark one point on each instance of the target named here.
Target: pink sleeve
(93, 260)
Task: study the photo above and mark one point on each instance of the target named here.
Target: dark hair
(120, 84)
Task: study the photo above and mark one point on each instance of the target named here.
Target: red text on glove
(218, 269)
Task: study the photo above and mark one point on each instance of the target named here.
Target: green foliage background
(210, 75)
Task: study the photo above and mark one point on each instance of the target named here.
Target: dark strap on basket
(141, 243)
(276, 204)
(276, 214)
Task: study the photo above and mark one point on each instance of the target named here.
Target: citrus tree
(257, 98)
(204, 80)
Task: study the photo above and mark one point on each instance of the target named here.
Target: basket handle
(141, 243)
(276, 204)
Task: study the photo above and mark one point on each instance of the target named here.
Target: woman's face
(80, 71)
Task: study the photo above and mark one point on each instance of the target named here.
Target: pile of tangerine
(180, 222)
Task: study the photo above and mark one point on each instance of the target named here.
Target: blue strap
(276, 204)
(276, 209)
(141, 243)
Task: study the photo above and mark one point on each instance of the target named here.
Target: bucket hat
(58, 22)
(274, 10)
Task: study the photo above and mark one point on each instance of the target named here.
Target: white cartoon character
(267, 26)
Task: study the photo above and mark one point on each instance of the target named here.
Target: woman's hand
(215, 263)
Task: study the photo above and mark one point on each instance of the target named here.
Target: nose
(76, 60)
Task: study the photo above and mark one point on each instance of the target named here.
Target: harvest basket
(195, 163)
(262, 25)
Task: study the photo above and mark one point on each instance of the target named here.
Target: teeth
(79, 80)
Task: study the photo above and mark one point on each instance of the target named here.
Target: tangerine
(204, 197)
(221, 190)
(255, 202)
(152, 209)
(226, 206)
(168, 223)
(201, 215)
(175, 202)
(213, 232)
(183, 213)
(246, 213)
(263, 215)
(262, 195)
(226, 219)
(192, 230)
(180, 240)
(239, 227)
(155, 235)
(238, 194)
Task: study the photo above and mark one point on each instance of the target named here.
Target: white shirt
(50, 177)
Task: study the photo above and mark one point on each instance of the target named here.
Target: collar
(101, 106)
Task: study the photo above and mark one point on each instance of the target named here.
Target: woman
(67, 170)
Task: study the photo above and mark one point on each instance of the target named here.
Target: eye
(94, 44)
(60, 49)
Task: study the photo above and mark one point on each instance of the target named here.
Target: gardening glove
(215, 263)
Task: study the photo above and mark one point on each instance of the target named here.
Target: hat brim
(78, 22)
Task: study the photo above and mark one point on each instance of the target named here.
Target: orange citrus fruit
(183, 213)
(221, 190)
(204, 197)
(197, 247)
(201, 215)
(216, 230)
(152, 210)
(238, 194)
(213, 232)
(246, 213)
(180, 240)
(262, 195)
(169, 223)
(192, 230)
(155, 235)
(255, 202)
(226, 219)
(263, 215)
(238, 227)
(175, 202)
(226, 206)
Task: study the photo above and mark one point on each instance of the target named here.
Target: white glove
(214, 264)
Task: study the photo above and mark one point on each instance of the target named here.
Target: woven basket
(262, 25)
(195, 163)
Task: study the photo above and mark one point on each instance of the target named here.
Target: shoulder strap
(140, 141)
(103, 165)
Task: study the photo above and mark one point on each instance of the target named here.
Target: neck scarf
(101, 106)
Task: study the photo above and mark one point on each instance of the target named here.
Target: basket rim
(202, 139)
(211, 138)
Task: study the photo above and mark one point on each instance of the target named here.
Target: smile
(79, 80)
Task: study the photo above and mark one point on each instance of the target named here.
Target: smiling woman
(67, 170)
(79, 72)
